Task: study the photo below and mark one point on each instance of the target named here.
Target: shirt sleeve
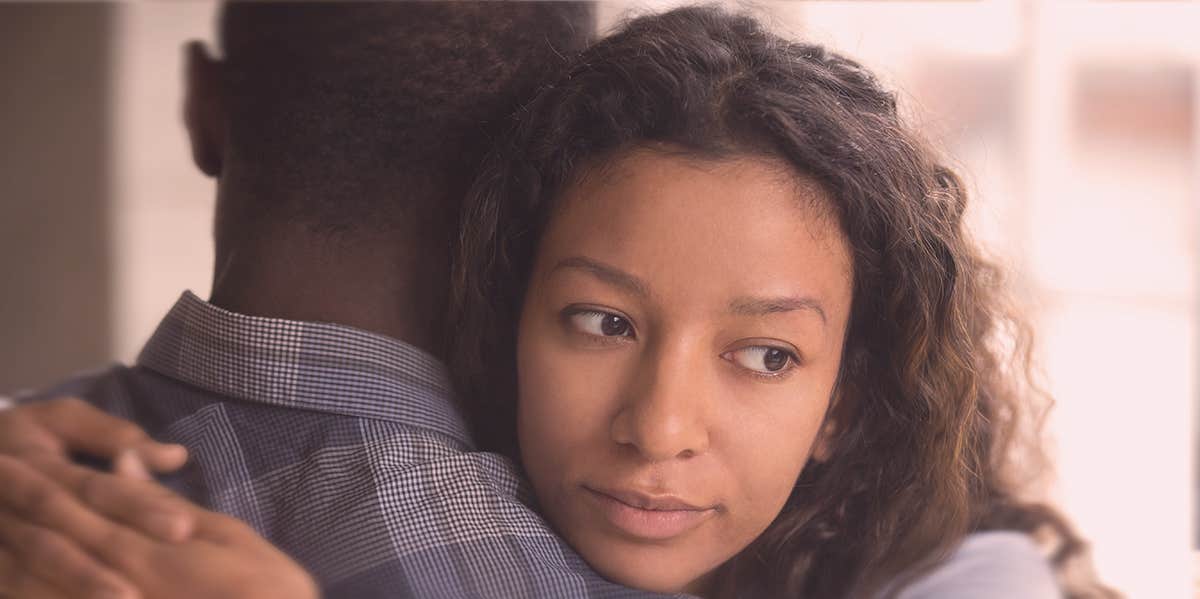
(989, 565)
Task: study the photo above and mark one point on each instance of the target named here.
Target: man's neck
(384, 285)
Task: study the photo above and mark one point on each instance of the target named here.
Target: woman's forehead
(643, 187)
(734, 228)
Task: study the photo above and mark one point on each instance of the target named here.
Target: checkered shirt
(343, 448)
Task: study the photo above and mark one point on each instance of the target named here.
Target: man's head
(369, 118)
(343, 137)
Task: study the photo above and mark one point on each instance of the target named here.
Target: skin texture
(643, 370)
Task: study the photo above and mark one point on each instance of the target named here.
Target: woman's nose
(663, 416)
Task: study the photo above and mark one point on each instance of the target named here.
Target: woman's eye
(601, 324)
(762, 359)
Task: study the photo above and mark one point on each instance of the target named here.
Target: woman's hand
(222, 557)
(67, 425)
(36, 556)
(68, 531)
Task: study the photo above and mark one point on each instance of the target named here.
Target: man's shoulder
(422, 488)
(408, 508)
(461, 525)
(85, 384)
(989, 565)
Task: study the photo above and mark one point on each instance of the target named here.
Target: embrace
(501, 310)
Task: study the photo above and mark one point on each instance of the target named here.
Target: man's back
(343, 448)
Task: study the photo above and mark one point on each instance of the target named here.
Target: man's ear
(204, 109)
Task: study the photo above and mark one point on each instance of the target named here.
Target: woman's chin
(640, 576)
(660, 568)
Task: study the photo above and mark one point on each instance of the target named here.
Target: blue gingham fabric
(344, 449)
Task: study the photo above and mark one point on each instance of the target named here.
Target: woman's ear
(203, 108)
(830, 429)
(823, 446)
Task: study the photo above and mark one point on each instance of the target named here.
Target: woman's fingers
(15, 583)
(55, 536)
(51, 493)
(130, 465)
(142, 505)
(29, 496)
(83, 428)
(41, 562)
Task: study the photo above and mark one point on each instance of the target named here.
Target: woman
(724, 297)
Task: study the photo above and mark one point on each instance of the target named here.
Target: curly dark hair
(934, 378)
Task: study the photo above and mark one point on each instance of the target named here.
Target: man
(309, 389)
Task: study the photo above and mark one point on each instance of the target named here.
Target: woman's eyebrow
(758, 306)
(607, 273)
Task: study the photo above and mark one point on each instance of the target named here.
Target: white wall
(163, 207)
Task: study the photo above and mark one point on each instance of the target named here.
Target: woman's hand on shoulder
(217, 557)
(72, 531)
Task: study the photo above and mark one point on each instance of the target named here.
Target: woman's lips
(649, 517)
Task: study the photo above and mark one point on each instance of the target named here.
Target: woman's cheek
(564, 390)
(770, 445)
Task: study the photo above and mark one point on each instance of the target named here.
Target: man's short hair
(353, 115)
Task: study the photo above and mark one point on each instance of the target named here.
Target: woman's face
(677, 351)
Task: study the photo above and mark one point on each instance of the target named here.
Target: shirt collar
(306, 365)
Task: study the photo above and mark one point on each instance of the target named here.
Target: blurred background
(1076, 124)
